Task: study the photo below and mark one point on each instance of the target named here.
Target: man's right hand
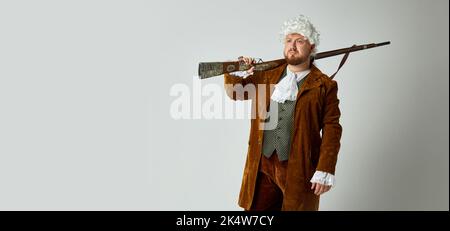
(248, 61)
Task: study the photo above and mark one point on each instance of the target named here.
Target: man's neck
(300, 67)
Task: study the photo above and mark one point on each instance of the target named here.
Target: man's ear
(312, 47)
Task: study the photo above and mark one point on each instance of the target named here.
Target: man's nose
(292, 47)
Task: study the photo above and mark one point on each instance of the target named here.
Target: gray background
(84, 102)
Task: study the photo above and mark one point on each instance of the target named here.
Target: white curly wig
(301, 25)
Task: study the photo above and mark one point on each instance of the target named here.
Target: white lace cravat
(287, 88)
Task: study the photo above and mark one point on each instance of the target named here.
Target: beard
(294, 60)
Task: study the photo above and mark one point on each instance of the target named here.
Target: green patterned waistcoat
(280, 137)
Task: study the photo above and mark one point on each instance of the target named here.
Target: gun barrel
(354, 48)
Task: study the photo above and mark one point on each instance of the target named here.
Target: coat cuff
(323, 178)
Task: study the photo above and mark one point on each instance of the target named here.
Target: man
(288, 167)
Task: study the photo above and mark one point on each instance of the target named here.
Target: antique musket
(210, 69)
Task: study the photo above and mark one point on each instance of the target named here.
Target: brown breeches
(270, 184)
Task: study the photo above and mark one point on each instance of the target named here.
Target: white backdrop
(85, 100)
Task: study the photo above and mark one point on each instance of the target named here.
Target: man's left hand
(320, 188)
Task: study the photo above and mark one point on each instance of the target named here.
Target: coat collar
(312, 80)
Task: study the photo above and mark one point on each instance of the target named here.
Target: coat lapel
(273, 76)
(311, 81)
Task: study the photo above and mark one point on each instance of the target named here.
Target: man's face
(297, 49)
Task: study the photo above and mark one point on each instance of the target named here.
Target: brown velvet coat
(317, 109)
